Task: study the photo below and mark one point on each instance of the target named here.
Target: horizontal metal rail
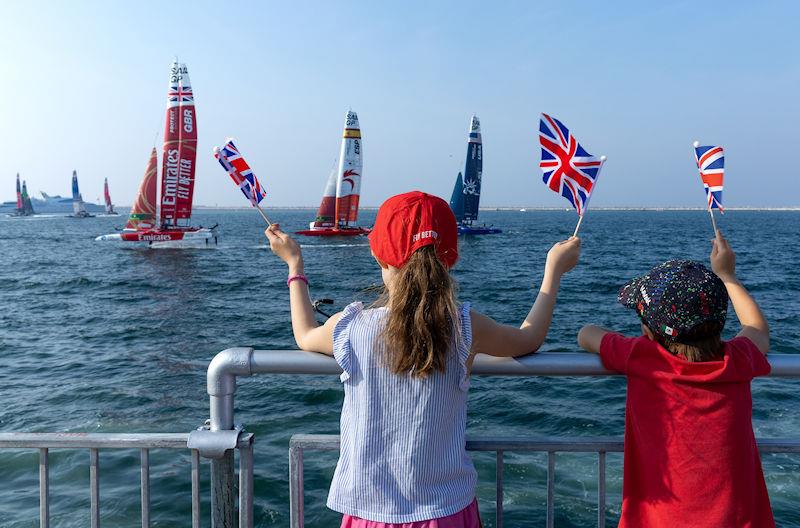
(144, 442)
(229, 364)
(232, 363)
(312, 442)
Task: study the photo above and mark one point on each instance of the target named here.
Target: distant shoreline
(506, 208)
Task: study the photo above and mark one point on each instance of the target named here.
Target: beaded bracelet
(296, 277)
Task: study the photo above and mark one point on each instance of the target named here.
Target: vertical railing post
(499, 492)
(195, 488)
(94, 486)
(223, 496)
(221, 386)
(246, 484)
(601, 489)
(144, 455)
(222, 491)
(296, 487)
(44, 488)
(551, 483)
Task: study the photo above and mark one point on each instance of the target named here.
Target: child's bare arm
(308, 333)
(493, 338)
(590, 336)
(754, 325)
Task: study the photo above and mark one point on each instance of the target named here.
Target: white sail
(348, 184)
(78, 207)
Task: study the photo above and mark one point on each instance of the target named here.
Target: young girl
(406, 368)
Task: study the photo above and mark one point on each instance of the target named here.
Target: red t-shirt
(690, 453)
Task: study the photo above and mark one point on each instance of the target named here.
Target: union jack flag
(234, 164)
(711, 164)
(568, 169)
(182, 94)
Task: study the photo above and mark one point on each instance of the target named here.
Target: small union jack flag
(234, 164)
(711, 164)
(182, 94)
(568, 169)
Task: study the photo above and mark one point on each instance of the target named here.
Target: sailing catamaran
(78, 207)
(109, 206)
(338, 212)
(467, 191)
(169, 220)
(24, 205)
(27, 206)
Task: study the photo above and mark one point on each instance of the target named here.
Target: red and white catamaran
(338, 212)
(107, 197)
(167, 220)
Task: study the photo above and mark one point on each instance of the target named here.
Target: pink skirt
(466, 518)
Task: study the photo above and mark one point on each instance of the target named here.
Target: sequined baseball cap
(675, 298)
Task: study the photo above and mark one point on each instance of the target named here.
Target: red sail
(170, 156)
(327, 208)
(187, 151)
(107, 195)
(143, 212)
(20, 205)
(180, 149)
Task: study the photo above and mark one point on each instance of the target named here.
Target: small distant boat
(27, 206)
(48, 205)
(167, 222)
(24, 205)
(78, 207)
(109, 206)
(466, 195)
(338, 212)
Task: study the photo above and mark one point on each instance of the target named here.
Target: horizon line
(523, 207)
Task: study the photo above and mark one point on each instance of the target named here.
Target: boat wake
(312, 246)
(304, 246)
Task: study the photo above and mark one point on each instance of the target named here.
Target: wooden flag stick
(580, 219)
(262, 214)
(586, 204)
(713, 222)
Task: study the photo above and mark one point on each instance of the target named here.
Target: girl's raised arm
(308, 333)
(495, 339)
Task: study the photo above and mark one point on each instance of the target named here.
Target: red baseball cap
(409, 221)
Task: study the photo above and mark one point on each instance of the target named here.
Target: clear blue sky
(84, 86)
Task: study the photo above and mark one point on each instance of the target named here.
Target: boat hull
(162, 236)
(472, 230)
(347, 232)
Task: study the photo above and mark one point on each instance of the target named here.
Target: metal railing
(94, 442)
(220, 438)
(234, 362)
(312, 442)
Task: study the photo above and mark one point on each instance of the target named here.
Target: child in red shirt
(690, 453)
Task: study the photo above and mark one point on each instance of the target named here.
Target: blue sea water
(98, 337)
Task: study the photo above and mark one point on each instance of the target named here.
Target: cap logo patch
(424, 234)
(670, 331)
(644, 295)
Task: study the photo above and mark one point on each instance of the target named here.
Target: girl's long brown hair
(423, 316)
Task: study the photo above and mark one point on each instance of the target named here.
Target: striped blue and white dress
(402, 456)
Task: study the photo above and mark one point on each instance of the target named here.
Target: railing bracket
(213, 444)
